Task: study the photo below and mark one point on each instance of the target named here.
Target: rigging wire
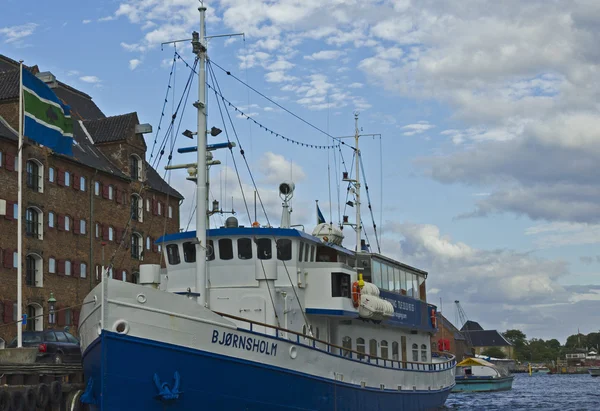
(362, 167)
(164, 105)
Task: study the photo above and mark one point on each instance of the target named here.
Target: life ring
(433, 318)
(355, 294)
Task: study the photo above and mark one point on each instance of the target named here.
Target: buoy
(355, 294)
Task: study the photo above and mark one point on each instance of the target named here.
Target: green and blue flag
(320, 218)
(47, 120)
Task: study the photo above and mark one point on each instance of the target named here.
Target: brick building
(450, 339)
(76, 208)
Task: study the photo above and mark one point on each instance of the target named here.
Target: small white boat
(477, 375)
(594, 371)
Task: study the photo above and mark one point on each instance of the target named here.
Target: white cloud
(86, 21)
(15, 34)
(564, 234)
(106, 18)
(356, 85)
(418, 128)
(276, 169)
(278, 77)
(134, 47)
(90, 79)
(134, 63)
(325, 55)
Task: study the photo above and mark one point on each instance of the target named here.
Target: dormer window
(135, 167)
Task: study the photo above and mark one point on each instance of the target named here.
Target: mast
(357, 184)
(199, 47)
(20, 216)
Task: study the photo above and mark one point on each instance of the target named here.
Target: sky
(484, 168)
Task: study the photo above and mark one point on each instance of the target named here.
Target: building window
(340, 285)
(52, 265)
(96, 188)
(384, 349)
(111, 234)
(147, 205)
(244, 246)
(124, 276)
(97, 230)
(360, 347)
(15, 211)
(0, 158)
(67, 267)
(137, 208)
(225, 249)
(170, 212)
(423, 353)
(148, 243)
(173, 254)
(284, 249)
(111, 192)
(33, 222)
(415, 352)
(51, 174)
(33, 273)
(137, 246)
(82, 183)
(67, 179)
(263, 248)
(82, 226)
(159, 205)
(189, 252)
(83, 270)
(15, 259)
(35, 175)
(51, 219)
(67, 223)
(135, 167)
(395, 355)
(110, 272)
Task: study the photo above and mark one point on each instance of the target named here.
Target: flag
(320, 218)
(47, 120)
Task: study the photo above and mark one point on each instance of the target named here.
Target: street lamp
(51, 305)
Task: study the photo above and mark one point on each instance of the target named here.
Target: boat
(540, 370)
(478, 375)
(594, 371)
(262, 318)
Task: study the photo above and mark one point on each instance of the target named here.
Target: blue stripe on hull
(123, 368)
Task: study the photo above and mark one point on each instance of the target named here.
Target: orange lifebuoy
(355, 294)
(433, 318)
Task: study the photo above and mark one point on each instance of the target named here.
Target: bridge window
(225, 249)
(376, 273)
(415, 352)
(306, 252)
(384, 349)
(244, 246)
(210, 251)
(360, 347)
(397, 274)
(395, 356)
(423, 353)
(173, 254)
(346, 343)
(340, 285)
(264, 249)
(189, 252)
(301, 253)
(284, 249)
(312, 253)
(373, 347)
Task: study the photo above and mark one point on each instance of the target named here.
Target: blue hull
(122, 370)
(482, 384)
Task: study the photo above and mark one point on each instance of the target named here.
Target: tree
(516, 337)
(494, 352)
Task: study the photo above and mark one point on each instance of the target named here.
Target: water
(538, 392)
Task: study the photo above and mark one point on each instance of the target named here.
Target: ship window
(416, 290)
(397, 274)
(384, 276)
(306, 252)
(373, 347)
(225, 249)
(210, 251)
(423, 353)
(395, 356)
(340, 285)
(391, 278)
(189, 252)
(415, 352)
(284, 249)
(317, 334)
(360, 347)
(403, 282)
(173, 254)
(263, 248)
(377, 273)
(244, 248)
(384, 349)
(346, 343)
(301, 251)
(312, 253)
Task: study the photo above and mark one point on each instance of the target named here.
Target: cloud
(106, 18)
(418, 128)
(325, 55)
(564, 234)
(134, 63)
(278, 77)
(133, 47)
(15, 34)
(86, 21)
(276, 169)
(90, 79)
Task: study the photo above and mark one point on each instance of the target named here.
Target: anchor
(165, 392)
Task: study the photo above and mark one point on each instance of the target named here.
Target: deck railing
(351, 354)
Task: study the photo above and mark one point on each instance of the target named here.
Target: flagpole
(19, 215)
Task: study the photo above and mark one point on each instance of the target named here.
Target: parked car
(54, 346)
